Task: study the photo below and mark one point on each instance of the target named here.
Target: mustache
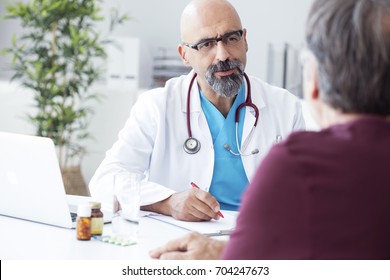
(227, 65)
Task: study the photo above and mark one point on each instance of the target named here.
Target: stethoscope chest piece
(191, 145)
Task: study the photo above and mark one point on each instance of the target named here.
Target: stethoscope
(192, 145)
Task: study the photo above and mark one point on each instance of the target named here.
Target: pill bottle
(83, 222)
(96, 218)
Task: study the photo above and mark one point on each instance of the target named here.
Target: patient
(323, 195)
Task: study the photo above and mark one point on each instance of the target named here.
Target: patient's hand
(190, 205)
(193, 246)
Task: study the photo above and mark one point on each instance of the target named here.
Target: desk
(21, 239)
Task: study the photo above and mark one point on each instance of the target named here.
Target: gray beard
(227, 86)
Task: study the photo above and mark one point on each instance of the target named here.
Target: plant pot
(74, 182)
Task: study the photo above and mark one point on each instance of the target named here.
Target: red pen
(196, 187)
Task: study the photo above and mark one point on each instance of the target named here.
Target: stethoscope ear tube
(191, 145)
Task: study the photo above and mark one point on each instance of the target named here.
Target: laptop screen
(31, 184)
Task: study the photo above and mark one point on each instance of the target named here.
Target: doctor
(211, 127)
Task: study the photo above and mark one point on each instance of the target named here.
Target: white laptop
(31, 185)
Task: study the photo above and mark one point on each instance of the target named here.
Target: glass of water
(125, 221)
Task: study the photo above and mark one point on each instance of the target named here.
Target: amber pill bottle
(83, 223)
(97, 221)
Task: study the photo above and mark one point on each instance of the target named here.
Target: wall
(156, 23)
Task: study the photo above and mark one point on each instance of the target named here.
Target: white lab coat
(152, 139)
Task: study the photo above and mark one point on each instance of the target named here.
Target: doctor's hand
(193, 246)
(191, 205)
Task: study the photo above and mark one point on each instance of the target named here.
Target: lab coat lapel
(201, 120)
(248, 125)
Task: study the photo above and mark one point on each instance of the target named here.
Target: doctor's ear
(182, 53)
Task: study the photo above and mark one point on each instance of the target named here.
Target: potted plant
(57, 57)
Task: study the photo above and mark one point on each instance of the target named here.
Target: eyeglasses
(229, 39)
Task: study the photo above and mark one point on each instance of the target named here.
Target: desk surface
(20, 239)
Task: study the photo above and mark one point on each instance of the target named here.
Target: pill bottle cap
(95, 205)
(84, 210)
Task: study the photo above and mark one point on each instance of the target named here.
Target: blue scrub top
(229, 177)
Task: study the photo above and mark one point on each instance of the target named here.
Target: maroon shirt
(320, 195)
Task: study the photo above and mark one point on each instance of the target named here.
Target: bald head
(202, 17)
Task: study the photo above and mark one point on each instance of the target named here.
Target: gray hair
(351, 42)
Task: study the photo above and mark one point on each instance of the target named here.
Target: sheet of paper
(222, 226)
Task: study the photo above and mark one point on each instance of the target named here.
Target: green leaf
(13, 40)
(55, 57)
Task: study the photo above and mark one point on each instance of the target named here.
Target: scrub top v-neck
(229, 177)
